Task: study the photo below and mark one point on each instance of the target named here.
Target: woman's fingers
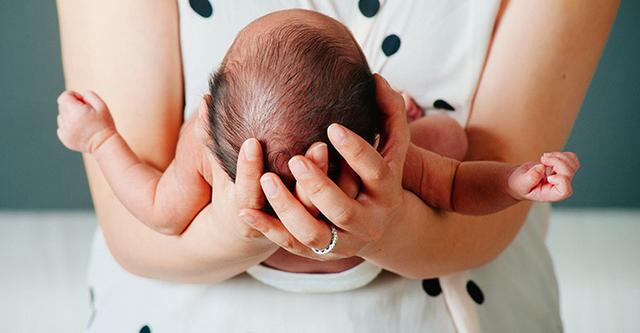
(396, 135)
(275, 231)
(361, 157)
(271, 228)
(372, 167)
(336, 206)
(295, 217)
(249, 169)
(348, 180)
(226, 196)
(318, 153)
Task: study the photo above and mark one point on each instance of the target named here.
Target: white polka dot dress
(434, 51)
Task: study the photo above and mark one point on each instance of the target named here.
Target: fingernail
(338, 134)
(268, 186)
(297, 166)
(317, 152)
(251, 151)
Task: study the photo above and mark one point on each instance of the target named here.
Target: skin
(536, 62)
(168, 201)
(495, 132)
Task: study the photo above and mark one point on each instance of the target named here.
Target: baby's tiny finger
(61, 96)
(562, 185)
(559, 166)
(68, 97)
(535, 173)
(570, 158)
(565, 158)
(528, 176)
(575, 161)
(94, 100)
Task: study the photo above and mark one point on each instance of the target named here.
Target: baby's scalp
(286, 78)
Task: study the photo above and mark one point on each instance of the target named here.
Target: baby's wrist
(512, 188)
(99, 139)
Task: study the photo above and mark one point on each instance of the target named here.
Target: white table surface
(44, 257)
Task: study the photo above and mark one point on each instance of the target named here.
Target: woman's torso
(432, 50)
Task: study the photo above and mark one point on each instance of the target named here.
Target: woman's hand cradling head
(360, 221)
(229, 197)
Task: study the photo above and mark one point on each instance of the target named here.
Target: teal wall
(37, 172)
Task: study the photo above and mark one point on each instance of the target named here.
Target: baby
(284, 80)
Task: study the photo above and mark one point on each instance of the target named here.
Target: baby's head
(285, 79)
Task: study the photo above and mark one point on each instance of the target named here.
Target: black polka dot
(145, 329)
(440, 104)
(369, 8)
(474, 292)
(202, 7)
(390, 45)
(432, 287)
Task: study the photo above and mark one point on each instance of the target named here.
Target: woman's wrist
(234, 246)
(394, 236)
(216, 253)
(204, 253)
(424, 243)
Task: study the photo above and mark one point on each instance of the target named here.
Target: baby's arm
(484, 187)
(481, 187)
(166, 202)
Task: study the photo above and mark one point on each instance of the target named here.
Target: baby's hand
(414, 112)
(84, 121)
(549, 180)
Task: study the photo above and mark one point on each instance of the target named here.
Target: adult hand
(361, 221)
(229, 197)
(347, 180)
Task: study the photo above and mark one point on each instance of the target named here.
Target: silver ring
(332, 244)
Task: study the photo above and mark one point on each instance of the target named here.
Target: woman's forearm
(427, 243)
(131, 57)
(530, 91)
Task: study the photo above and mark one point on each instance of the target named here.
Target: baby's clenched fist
(84, 121)
(547, 181)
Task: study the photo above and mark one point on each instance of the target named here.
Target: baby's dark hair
(284, 87)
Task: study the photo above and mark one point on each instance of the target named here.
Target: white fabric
(442, 50)
(45, 256)
(353, 278)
